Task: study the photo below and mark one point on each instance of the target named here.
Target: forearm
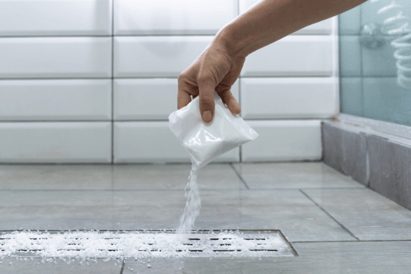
(271, 20)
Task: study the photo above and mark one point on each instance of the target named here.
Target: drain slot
(242, 243)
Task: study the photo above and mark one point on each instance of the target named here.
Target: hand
(214, 70)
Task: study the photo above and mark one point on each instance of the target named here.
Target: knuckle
(206, 102)
(205, 78)
(181, 77)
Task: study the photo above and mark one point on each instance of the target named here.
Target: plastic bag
(205, 142)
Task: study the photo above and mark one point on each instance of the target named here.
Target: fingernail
(207, 116)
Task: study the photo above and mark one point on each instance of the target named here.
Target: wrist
(226, 41)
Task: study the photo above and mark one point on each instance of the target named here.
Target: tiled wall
(369, 76)
(95, 81)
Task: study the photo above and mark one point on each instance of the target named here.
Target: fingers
(183, 97)
(230, 101)
(207, 88)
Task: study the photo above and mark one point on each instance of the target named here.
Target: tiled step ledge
(378, 160)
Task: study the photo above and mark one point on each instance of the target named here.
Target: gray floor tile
(315, 258)
(35, 267)
(214, 176)
(288, 210)
(55, 176)
(367, 214)
(106, 210)
(293, 175)
(99, 177)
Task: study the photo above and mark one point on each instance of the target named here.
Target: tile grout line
(154, 189)
(112, 81)
(137, 35)
(296, 188)
(122, 267)
(240, 150)
(362, 67)
(136, 120)
(349, 241)
(176, 77)
(346, 229)
(239, 176)
(114, 190)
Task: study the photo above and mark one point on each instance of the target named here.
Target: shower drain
(145, 243)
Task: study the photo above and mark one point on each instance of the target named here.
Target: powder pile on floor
(111, 245)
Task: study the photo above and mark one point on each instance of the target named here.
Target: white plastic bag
(205, 142)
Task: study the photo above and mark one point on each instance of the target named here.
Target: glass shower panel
(375, 61)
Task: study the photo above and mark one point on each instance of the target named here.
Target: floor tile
(288, 210)
(367, 214)
(293, 175)
(106, 177)
(35, 266)
(105, 210)
(214, 176)
(315, 258)
(55, 177)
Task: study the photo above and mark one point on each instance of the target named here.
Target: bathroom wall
(369, 86)
(93, 81)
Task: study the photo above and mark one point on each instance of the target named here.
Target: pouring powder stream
(204, 142)
(193, 203)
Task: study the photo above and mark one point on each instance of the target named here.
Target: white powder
(193, 204)
(205, 142)
(114, 245)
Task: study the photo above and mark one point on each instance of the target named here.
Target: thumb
(206, 88)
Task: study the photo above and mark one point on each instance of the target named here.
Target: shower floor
(335, 224)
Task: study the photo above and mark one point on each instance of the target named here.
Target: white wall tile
(57, 17)
(173, 17)
(53, 57)
(293, 55)
(286, 140)
(49, 142)
(55, 100)
(276, 98)
(323, 27)
(168, 56)
(147, 142)
(156, 56)
(148, 99)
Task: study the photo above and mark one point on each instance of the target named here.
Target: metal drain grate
(146, 243)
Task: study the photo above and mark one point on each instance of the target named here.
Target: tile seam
(334, 219)
(112, 81)
(349, 241)
(239, 176)
(122, 267)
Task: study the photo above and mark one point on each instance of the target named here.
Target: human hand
(215, 70)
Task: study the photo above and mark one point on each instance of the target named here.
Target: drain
(146, 243)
